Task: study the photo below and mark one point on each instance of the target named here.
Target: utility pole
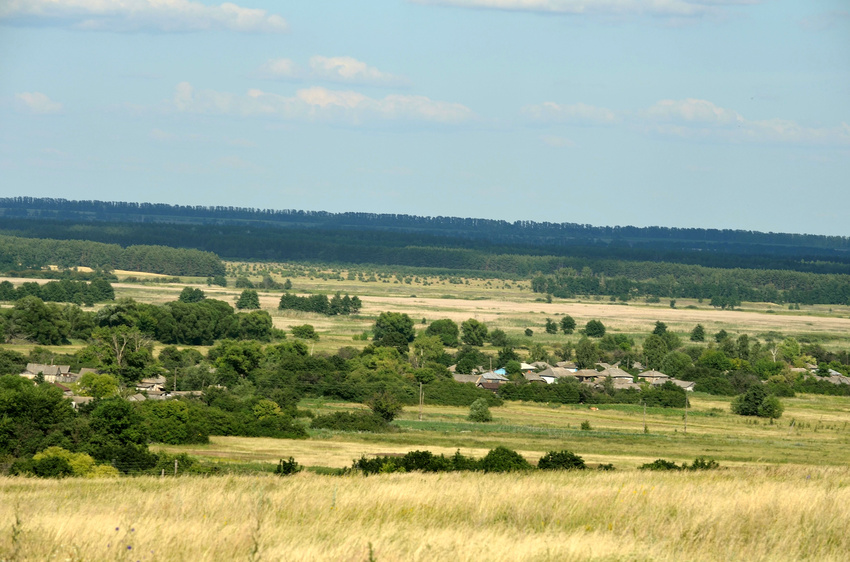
(421, 396)
(645, 429)
(686, 412)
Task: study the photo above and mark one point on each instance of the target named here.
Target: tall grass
(787, 513)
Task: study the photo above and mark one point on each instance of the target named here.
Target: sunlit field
(781, 492)
(772, 513)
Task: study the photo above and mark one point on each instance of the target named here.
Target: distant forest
(564, 259)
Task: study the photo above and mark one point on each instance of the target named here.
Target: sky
(682, 113)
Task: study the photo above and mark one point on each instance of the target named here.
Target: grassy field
(787, 513)
(781, 494)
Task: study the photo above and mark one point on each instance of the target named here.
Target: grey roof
(533, 377)
(556, 373)
(687, 385)
(616, 373)
(466, 378)
(491, 376)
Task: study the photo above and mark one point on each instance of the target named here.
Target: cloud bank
(346, 70)
(320, 104)
(653, 8)
(692, 119)
(140, 15)
(36, 102)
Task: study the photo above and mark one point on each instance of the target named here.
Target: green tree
(190, 295)
(446, 329)
(594, 329)
(654, 351)
(568, 324)
(248, 299)
(98, 385)
(385, 405)
(473, 332)
(479, 411)
(698, 333)
(551, 326)
(393, 329)
(587, 354)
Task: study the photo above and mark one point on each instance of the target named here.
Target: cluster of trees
(197, 322)
(320, 304)
(42, 434)
(66, 290)
(36, 252)
(722, 287)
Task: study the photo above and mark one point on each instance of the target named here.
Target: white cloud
(557, 142)
(140, 15)
(280, 68)
(351, 70)
(579, 113)
(692, 111)
(691, 119)
(701, 119)
(347, 70)
(657, 8)
(320, 104)
(36, 102)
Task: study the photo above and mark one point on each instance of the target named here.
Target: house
(616, 373)
(552, 374)
(687, 385)
(65, 390)
(486, 385)
(655, 378)
(531, 376)
(466, 378)
(586, 375)
(525, 367)
(540, 365)
(493, 377)
(569, 365)
(51, 373)
(77, 401)
(151, 384)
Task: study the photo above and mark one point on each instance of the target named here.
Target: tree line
(35, 253)
(66, 290)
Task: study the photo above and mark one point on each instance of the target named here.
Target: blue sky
(686, 113)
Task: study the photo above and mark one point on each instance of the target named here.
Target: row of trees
(36, 253)
(320, 304)
(65, 290)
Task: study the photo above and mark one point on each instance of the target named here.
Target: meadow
(782, 491)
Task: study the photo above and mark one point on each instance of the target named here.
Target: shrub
(561, 460)
(304, 332)
(502, 459)
(385, 405)
(285, 468)
(702, 463)
(348, 421)
(660, 464)
(585, 426)
(479, 412)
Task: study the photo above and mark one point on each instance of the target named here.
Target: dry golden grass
(790, 513)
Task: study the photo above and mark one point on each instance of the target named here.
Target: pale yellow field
(790, 513)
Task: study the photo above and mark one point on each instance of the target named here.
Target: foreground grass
(787, 513)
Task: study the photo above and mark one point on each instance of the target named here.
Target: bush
(502, 459)
(385, 405)
(561, 460)
(285, 468)
(304, 332)
(660, 464)
(479, 412)
(757, 402)
(348, 421)
(585, 426)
